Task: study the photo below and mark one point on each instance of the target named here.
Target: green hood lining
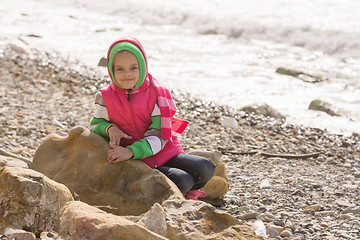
(127, 46)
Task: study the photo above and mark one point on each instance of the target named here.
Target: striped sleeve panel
(153, 135)
(154, 140)
(100, 111)
(100, 121)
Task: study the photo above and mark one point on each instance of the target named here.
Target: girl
(136, 113)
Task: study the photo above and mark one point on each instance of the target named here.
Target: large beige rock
(149, 204)
(193, 220)
(175, 220)
(218, 185)
(79, 162)
(82, 221)
(29, 200)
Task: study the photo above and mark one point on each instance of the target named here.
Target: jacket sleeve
(152, 143)
(100, 121)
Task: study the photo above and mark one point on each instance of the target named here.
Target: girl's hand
(118, 154)
(116, 134)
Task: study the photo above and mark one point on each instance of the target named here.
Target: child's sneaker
(194, 194)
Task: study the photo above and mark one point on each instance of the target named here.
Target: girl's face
(126, 69)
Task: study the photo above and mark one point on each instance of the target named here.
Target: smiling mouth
(127, 80)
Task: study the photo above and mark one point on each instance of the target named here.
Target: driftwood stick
(26, 160)
(281, 155)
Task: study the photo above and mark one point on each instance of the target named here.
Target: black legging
(188, 172)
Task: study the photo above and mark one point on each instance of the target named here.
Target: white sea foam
(329, 26)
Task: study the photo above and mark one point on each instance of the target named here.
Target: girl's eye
(134, 68)
(118, 69)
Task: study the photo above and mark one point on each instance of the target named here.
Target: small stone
(17, 150)
(255, 195)
(344, 234)
(266, 218)
(321, 158)
(286, 233)
(22, 236)
(265, 184)
(50, 129)
(347, 216)
(259, 228)
(344, 203)
(244, 209)
(21, 114)
(350, 186)
(278, 229)
(319, 105)
(238, 137)
(264, 110)
(353, 210)
(312, 208)
(262, 209)
(324, 213)
(12, 162)
(48, 235)
(324, 224)
(279, 223)
(102, 62)
(230, 122)
(273, 233)
(316, 185)
(248, 216)
(295, 238)
(301, 231)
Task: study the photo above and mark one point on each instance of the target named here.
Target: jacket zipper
(129, 91)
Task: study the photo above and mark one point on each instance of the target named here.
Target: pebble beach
(301, 182)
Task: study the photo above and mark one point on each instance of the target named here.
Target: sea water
(223, 51)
